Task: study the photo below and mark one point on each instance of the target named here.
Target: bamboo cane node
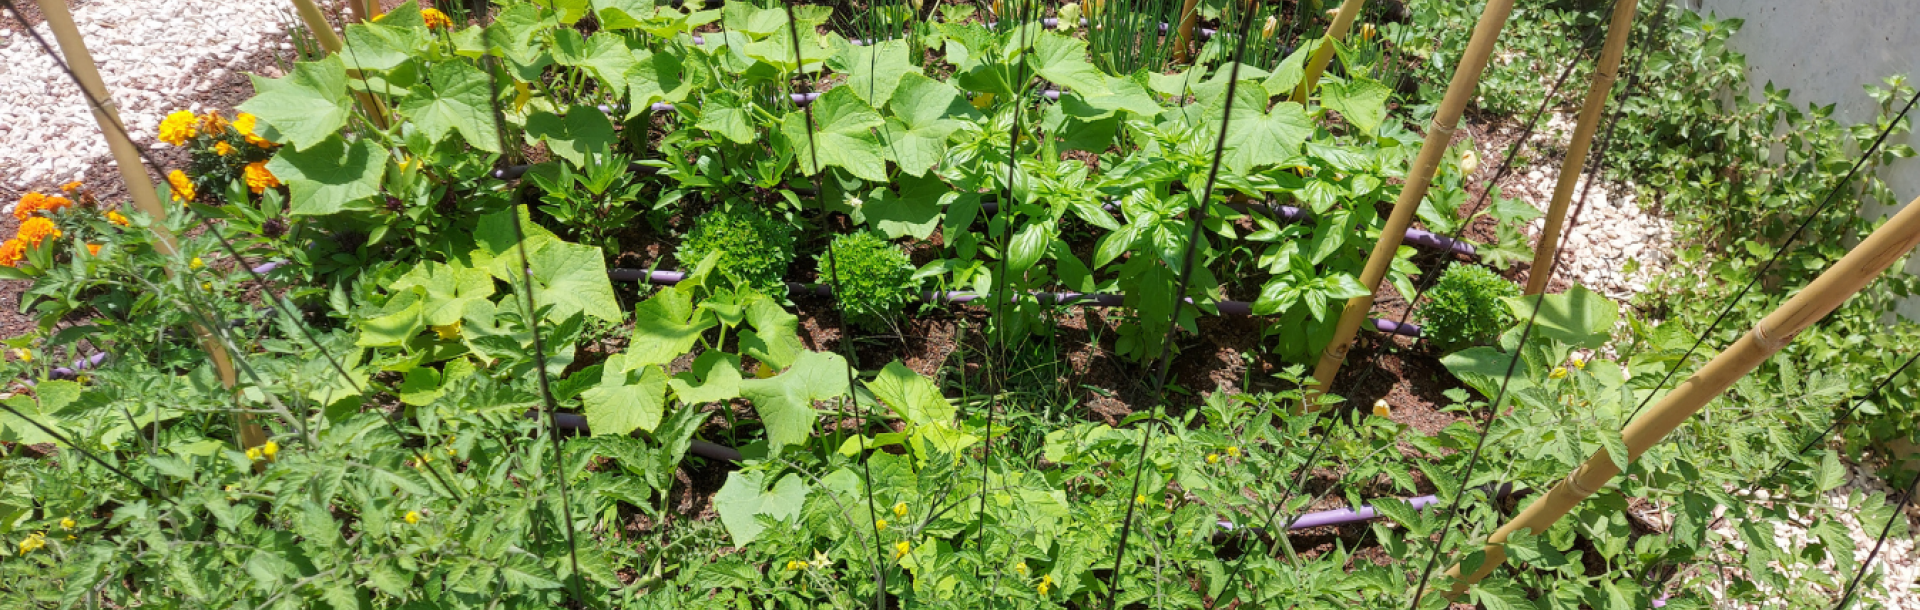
(1573, 482)
(1767, 341)
(1336, 352)
(1433, 126)
(1604, 79)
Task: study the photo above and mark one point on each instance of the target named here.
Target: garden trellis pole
(139, 186)
(323, 34)
(1343, 21)
(1466, 78)
(1189, 17)
(1604, 74)
(1885, 246)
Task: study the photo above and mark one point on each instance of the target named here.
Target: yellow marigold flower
(270, 449)
(1213, 458)
(196, 264)
(435, 18)
(448, 332)
(253, 454)
(223, 149)
(1381, 409)
(259, 179)
(178, 127)
(413, 517)
(182, 186)
(900, 510)
(1559, 372)
(70, 187)
(12, 252)
(1233, 452)
(34, 542)
(93, 249)
(36, 230)
(880, 524)
(901, 548)
(118, 218)
(66, 523)
(243, 124)
(1046, 584)
(212, 123)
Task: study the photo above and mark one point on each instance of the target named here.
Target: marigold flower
(1559, 372)
(178, 127)
(12, 252)
(435, 18)
(1213, 458)
(34, 542)
(413, 517)
(212, 123)
(880, 524)
(182, 186)
(259, 179)
(222, 148)
(38, 204)
(901, 548)
(66, 523)
(243, 124)
(1381, 409)
(900, 510)
(93, 249)
(118, 218)
(270, 449)
(36, 230)
(70, 187)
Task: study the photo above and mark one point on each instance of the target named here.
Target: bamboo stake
(1189, 17)
(1604, 74)
(323, 33)
(1343, 21)
(365, 10)
(1880, 250)
(1439, 136)
(139, 186)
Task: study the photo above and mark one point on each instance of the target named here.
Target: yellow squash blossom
(1367, 32)
(448, 332)
(1579, 363)
(182, 186)
(1380, 408)
(178, 127)
(1272, 26)
(435, 18)
(36, 230)
(259, 179)
(24, 355)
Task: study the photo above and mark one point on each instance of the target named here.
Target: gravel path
(156, 56)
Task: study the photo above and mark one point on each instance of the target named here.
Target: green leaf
(785, 401)
(399, 322)
(450, 289)
(844, 134)
(912, 397)
(1361, 101)
(1501, 595)
(583, 130)
(774, 339)
(1578, 317)
(1616, 448)
(626, 400)
(664, 327)
(330, 177)
(604, 55)
(745, 17)
(1028, 246)
(912, 213)
(873, 70)
(306, 107)
(715, 377)
(658, 77)
(724, 115)
(744, 499)
(922, 122)
(572, 278)
(1292, 69)
(381, 45)
(1063, 61)
(1832, 473)
(1256, 137)
(456, 99)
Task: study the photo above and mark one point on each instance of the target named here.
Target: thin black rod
(1899, 514)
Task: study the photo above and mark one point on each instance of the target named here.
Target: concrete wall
(1825, 51)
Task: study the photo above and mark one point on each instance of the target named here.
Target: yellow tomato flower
(901, 548)
(1213, 458)
(196, 264)
(1381, 409)
(118, 218)
(1559, 372)
(33, 542)
(66, 523)
(206, 286)
(880, 524)
(820, 560)
(178, 127)
(1233, 452)
(253, 454)
(259, 179)
(182, 186)
(900, 510)
(435, 18)
(1021, 568)
(23, 355)
(413, 517)
(270, 449)
(1046, 584)
(795, 566)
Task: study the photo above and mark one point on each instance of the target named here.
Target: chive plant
(1125, 36)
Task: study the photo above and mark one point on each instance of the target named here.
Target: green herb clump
(754, 247)
(874, 279)
(1464, 308)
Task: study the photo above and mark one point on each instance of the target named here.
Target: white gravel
(156, 56)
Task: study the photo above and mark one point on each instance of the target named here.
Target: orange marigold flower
(35, 230)
(259, 179)
(70, 187)
(118, 218)
(36, 203)
(223, 149)
(178, 128)
(212, 123)
(93, 249)
(435, 18)
(12, 252)
(182, 187)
